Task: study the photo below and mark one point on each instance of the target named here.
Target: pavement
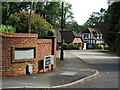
(73, 70)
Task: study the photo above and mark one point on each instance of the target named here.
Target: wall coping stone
(4, 34)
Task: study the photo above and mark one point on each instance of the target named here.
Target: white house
(92, 36)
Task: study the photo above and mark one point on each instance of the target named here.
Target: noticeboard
(24, 53)
(48, 60)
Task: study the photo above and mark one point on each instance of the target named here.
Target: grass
(109, 52)
(58, 63)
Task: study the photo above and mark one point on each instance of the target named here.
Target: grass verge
(108, 52)
(58, 63)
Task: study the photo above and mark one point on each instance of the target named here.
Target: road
(106, 64)
(72, 69)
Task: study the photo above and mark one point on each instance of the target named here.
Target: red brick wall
(0, 55)
(44, 49)
(55, 48)
(10, 66)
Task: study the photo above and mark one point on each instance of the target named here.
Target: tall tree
(112, 19)
(96, 18)
(68, 14)
(9, 8)
(38, 24)
(51, 11)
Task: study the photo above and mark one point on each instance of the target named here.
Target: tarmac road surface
(106, 64)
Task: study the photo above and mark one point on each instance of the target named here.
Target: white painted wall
(90, 36)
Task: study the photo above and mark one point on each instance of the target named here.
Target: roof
(103, 28)
(77, 40)
(99, 29)
(92, 30)
(68, 36)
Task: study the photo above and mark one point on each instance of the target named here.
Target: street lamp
(62, 22)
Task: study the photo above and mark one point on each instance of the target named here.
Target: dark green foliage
(51, 11)
(96, 18)
(73, 25)
(9, 8)
(7, 29)
(65, 46)
(112, 19)
(70, 46)
(39, 24)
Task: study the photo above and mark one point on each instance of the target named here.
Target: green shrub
(70, 46)
(73, 46)
(59, 47)
(78, 46)
(38, 24)
(98, 46)
(95, 46)
(102, 46)
(7, 29)
(65, 46)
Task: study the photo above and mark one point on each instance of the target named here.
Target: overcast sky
(83, 8)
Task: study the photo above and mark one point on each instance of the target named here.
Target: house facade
(92, 36)
(69, 37)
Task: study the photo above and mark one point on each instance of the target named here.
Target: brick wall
(44, 49)
(0, 55)
(10, 41)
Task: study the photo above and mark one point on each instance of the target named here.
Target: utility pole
(62, 26)
(30, 17)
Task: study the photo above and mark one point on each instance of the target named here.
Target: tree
(51, 11)
(112, 19)
(9, 8)
(73, 25)
(96, 18)
(38, 24)
(68, 14)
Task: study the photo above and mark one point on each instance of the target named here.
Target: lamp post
(62, 22)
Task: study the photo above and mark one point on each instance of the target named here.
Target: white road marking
(68, 73)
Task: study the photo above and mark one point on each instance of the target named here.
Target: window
(86, 36)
